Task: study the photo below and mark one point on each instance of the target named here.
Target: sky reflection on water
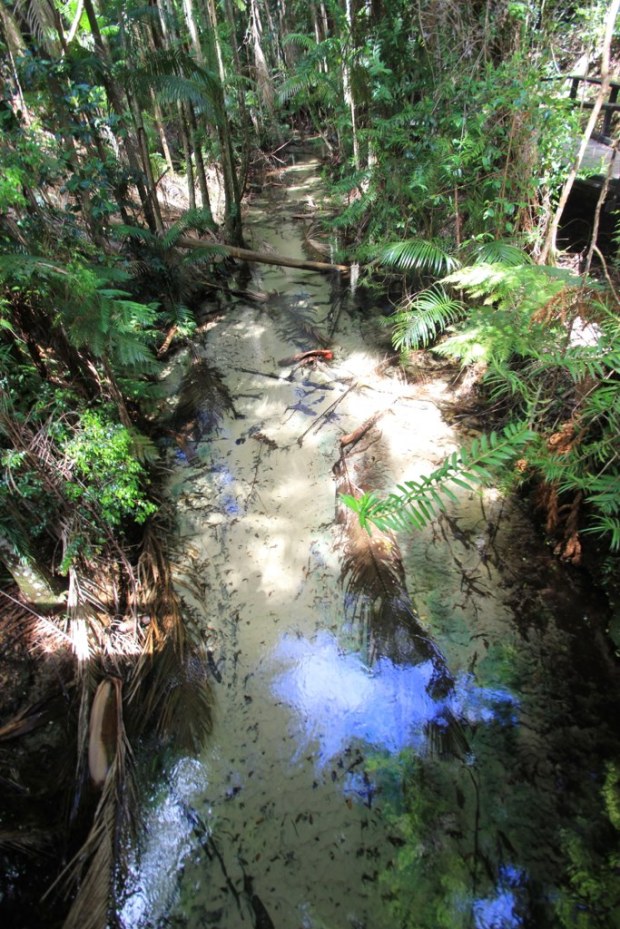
(502, 910)
(338, 699)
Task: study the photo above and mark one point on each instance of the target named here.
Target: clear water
(373, 763)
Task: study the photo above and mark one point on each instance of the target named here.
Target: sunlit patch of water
(339, 701)
(167, 842)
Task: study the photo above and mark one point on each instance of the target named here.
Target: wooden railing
(610, 107)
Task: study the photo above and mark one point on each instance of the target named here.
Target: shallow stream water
(400, 758)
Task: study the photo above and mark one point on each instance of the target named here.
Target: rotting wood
(315, 354)
(165, 345)
(352, 438)
(246, 254)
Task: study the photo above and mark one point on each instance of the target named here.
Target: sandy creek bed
(286, 819)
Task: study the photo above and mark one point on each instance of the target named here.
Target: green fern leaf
(418, 502)
(500, 251)
(423, 318)
(418, 255)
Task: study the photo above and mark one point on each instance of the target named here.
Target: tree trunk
(114, 96)
(200, 165)
(161, 131)
(232, 192)
(246, 254)
(549, 245)
(187, 150)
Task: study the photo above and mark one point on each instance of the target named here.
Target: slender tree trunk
(263, 77)
(114, 96)
(187, 150)
(161, 131)
(231, 181)
(549, 245)
(146, 159)
(243, 111)
(347, 86)
(200, 165)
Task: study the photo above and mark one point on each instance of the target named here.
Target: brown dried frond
(547, 500)
(94, 866)
(563, 441)
(25, 720)
(33, 841)
(169, 681)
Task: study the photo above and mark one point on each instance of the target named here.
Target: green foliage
(516, 320)
(591, 899)
(105, 474)
(419, 502)
(11, 194)
(418, 255)
(420, 319)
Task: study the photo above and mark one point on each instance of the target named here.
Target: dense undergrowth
(449, 133)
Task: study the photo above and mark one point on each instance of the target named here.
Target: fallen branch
(314, 354)
(246, 254)
(352, 438)
(165, 345)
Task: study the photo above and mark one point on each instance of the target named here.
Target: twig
(165, 345)
(599, 206)
(606, 273)
(274, 377)
(322, 415)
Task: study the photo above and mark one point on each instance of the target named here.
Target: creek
(403, 734)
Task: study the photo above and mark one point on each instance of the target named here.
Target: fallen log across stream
(246, 254)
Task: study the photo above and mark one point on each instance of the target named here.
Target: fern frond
(310, 79)
(173, 88)
(428, 314)
(500, 251)
(193, 219)
(417, 503)
(418, 255)
(607, 526)
(300, 39)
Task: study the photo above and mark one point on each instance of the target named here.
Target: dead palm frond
(27, 842)
(169, 681)
(25, 720)
(93, 869)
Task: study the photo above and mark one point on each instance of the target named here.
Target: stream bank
(400, 733)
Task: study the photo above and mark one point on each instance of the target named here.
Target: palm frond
(39, 15)
(300, 39)
(198, 219)
(296, 84)
(500, 251)
(418, 255)
(174, 88)
(95, 866)
(169, 682)
(418, 322)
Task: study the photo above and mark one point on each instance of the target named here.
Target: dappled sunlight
(169, 837)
